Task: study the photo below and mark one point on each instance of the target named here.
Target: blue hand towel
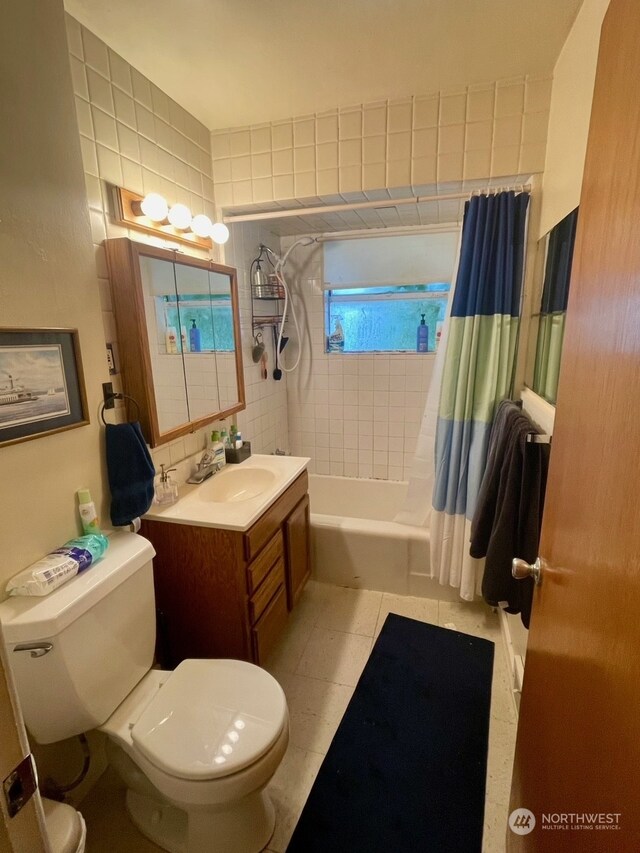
(130, 471)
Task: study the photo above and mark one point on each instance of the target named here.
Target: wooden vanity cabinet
(227, 593)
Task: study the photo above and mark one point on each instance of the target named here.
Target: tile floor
(318, 662)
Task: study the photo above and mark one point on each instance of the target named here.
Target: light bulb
(219, 233)
(201, 225)
(180, 216)
(155, 207)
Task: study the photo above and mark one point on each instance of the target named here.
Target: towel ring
(118, 397)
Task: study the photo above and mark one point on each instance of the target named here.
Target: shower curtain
(474, 371)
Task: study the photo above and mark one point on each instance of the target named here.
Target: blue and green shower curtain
(478, 373)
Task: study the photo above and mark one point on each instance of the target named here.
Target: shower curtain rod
(364, 205)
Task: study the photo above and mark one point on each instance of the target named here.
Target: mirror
(555, 257)
(178, 332)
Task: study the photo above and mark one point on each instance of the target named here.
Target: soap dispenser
(167, 488)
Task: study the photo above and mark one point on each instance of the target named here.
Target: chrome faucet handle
(205, 460)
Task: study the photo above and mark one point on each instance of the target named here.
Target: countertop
(198, 506)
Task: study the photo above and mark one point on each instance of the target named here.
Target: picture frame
(42, 388)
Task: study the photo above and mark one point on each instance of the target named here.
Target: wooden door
(297, 550)
(578, 746)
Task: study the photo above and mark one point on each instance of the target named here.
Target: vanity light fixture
(219, 233)
(155, 207)
(151, 213)
(202, 225)
(180, 217)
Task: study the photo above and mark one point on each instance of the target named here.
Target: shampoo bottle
(171, 339)
(195, 342)
(423, 336)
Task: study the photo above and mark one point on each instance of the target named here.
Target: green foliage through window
(383, 319)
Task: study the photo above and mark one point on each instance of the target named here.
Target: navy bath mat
(406, 769)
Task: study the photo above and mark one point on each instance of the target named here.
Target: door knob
(520, 569)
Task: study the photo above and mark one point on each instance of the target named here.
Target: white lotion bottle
(88, 514)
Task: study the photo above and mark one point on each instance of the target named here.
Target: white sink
(237, 484)
(235, 498)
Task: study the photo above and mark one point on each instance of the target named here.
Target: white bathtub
(356, 543)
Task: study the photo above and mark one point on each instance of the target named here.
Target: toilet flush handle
(37, 649)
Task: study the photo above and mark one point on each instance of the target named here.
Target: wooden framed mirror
(178, 325)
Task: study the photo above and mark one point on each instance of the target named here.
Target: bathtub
(356, 543)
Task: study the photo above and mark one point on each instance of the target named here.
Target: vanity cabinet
(227, 593)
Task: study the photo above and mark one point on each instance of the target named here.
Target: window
(376, 289)
(383, 319)
(212, 314)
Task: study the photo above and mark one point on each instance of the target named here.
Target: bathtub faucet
(278, 452)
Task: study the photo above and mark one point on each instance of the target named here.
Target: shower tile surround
(354, 415)
(475, 132)
(135, 136)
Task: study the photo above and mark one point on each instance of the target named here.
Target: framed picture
(41, 383)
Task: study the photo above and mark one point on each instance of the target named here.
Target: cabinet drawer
(260, 600)
(258, 570)
(268, 629)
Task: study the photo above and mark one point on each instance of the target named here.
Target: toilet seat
(210, 719)
(206, 720)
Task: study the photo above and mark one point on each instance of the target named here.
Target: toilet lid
(211, 718)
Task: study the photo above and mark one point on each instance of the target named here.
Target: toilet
(196, 747)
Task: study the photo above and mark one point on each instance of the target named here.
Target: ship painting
(32, 384)
(14, 393)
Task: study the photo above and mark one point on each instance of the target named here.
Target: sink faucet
(205, 468)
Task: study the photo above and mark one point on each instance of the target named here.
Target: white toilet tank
(101, 626)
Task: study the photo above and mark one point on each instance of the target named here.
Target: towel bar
(537, 438)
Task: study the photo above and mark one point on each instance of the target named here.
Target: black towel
(508, 515)
(130, 471)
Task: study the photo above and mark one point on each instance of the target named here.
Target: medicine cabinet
(178, 325)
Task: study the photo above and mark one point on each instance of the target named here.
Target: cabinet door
(195, 328)
(170, 408)
(297, 550)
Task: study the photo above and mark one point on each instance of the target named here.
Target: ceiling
(237, 62)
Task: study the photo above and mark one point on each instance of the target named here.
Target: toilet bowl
(196, 747)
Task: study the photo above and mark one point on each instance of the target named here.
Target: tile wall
(133, 135)
(477, 132)
(354, 415)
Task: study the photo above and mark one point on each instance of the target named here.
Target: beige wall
(48, 274)
(472, 132)
(570, 113)
(48, 279)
